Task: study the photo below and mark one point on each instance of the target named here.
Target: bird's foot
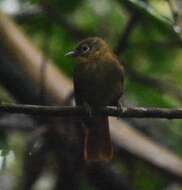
(121, 108)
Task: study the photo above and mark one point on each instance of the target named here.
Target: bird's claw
(121, 108)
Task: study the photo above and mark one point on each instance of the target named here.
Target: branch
(29, 58)
(67, 111)
(173, 10)
(175, 16)
(164, 87)
(140, 147)
(123, 40)
(146, 12)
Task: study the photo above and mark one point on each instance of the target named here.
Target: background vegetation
(146, 37)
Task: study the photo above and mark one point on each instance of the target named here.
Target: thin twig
(67, 111)
(124, 39)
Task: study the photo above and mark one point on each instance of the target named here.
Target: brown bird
(98, 81)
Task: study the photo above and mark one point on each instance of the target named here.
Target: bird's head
(92, 48)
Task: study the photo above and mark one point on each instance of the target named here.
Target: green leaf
(150, 15)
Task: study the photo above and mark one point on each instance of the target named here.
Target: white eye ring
(85, 48)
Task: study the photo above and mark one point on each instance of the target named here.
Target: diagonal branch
(158, 84)
(124, 39)
(175, 16)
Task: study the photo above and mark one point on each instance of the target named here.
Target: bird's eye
(85, 48)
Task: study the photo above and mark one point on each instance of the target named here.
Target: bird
(98, 82)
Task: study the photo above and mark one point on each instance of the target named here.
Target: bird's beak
(71, 53)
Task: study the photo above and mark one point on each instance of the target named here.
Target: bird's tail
(98, 146)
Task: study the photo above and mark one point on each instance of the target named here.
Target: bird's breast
(99, 83)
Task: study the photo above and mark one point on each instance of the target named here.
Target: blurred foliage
(58, 5)
(4, 144)
(149, 51)
(153, 50)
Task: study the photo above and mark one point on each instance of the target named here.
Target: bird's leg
(88, 109)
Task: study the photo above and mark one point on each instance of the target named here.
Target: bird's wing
(77, 88)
